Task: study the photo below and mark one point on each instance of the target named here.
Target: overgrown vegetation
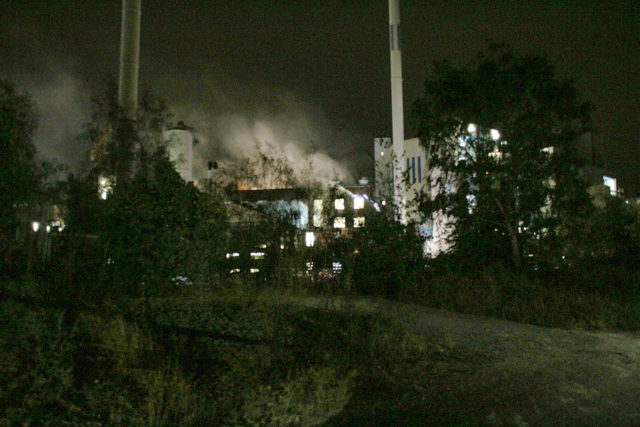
(195, 359)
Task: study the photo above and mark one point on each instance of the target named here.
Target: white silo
(180, 141)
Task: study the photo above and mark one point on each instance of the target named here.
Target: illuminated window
(611, 183)
(337, 267)
(232, 255)
(358, 202)
(234, 270)
(35, 225)
(339, 204)
(548, 150)
(309, 239)
(309, 265)
(339, 222)
(254, 270)
(358, 221)
(317, 213)
(257, 255)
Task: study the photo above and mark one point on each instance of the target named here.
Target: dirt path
(506, 373)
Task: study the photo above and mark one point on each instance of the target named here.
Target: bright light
(611, 183)
(471, 128)
(382, 153)
(309, 239)
(257, 255)
(337, 267)
(48, 228)
(35, 225)
(339, 222)
(339, 204)
(234, 255)
(358, 221)
(254, 270)
(358, 202)
(495, 135)
(105, 186)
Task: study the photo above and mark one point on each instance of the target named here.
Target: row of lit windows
(339, 204)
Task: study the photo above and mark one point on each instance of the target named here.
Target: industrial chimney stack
(397, 113)
(129, 57)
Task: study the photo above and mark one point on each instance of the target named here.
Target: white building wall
(420, 178)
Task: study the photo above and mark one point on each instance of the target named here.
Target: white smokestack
(129, 57)
(397, 113)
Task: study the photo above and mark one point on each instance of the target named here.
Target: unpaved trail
(506, 373)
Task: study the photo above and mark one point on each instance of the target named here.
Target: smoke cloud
(284, 124)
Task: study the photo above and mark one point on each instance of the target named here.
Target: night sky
(312, 76)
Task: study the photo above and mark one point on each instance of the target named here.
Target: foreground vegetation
(199, 358)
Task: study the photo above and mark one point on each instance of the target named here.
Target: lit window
(234, 270)
(339, 222)
(548, 150)
(317, 213)
(309, 265)
(232, 255)
(35, 225)
(254, 270)
(257, 255)
(495, 134)
(358, 221)
(611, 183)
(309, 239)
(337, 267)
(358, 202)
(382, 153)
(339, 204)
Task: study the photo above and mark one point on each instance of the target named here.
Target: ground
(496, 372)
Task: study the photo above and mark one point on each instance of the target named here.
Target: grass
(564, 303)
(205, 358)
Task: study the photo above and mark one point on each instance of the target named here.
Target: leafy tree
(119, 145)
(158, 228)
(153, 227)
(20, 174)
(499, 133)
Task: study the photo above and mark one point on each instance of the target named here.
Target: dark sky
(312, 76)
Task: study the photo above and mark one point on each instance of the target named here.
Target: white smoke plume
(294, 130)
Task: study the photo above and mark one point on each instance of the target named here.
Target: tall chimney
(397, 113)
(129, 57)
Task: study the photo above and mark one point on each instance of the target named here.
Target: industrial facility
(321, 207)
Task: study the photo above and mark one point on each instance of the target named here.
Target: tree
(20, 175)
(499, 133)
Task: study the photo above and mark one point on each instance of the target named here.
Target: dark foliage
(501, 192)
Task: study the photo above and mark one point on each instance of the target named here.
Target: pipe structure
(129, 57)
(397, 112)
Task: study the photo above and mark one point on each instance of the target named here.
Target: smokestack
(129, 57)
(397, 113)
